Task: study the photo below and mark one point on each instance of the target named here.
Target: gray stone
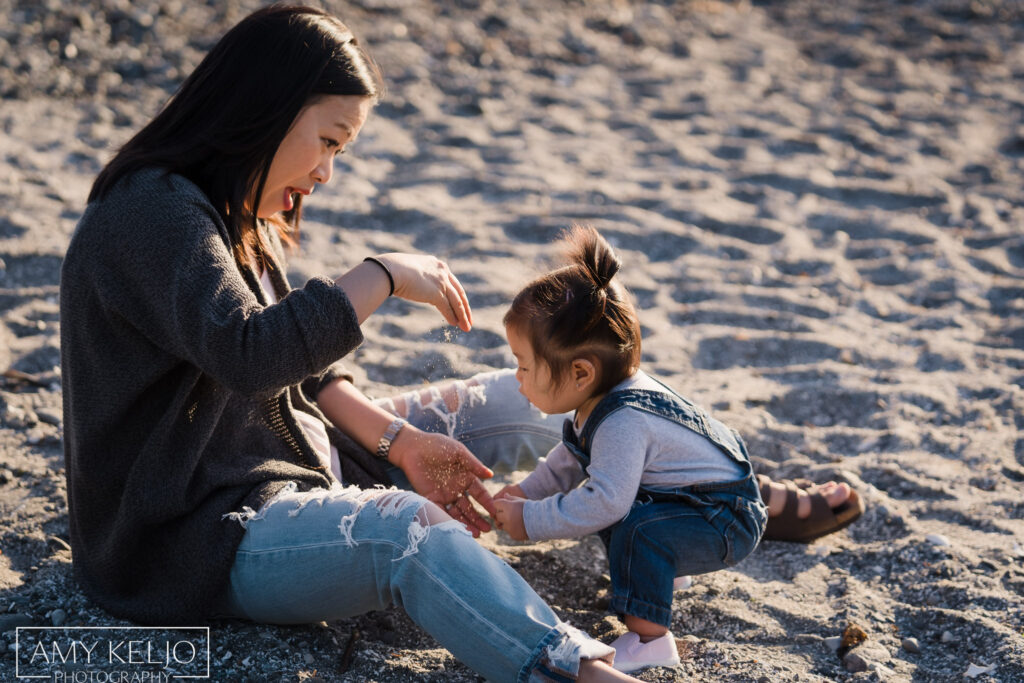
(855, 662)
(911, 645)
(9, 622)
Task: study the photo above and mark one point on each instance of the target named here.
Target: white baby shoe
(631, 654)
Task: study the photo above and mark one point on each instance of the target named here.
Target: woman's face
(306, 155)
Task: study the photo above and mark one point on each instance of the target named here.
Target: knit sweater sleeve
(162, 264)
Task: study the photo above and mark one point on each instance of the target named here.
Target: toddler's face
(534, 378)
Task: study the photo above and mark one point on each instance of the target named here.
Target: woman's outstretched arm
(416, 277)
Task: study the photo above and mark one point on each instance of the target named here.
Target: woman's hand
(443, 470)
(428, 280)
(509, 514)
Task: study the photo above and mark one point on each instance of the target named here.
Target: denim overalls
(679, 531)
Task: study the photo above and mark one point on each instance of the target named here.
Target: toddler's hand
(509, 515)
(510, 491)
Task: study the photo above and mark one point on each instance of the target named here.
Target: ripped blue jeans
(331, 554)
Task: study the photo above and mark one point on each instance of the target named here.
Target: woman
(208, 428)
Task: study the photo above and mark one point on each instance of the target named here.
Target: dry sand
(821, 210)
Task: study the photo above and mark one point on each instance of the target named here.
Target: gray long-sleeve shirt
(629, 448)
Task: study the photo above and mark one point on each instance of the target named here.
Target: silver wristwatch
(384, 445)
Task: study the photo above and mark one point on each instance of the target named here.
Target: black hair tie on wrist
(387, 271)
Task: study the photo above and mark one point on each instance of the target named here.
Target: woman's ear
(584, 374)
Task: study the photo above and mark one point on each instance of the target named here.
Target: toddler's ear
(584, 374)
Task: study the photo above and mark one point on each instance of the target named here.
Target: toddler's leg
(660, 541)
(654, 544)
(646, 553)
(337, 553)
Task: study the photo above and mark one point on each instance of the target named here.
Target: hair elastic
(387, 271)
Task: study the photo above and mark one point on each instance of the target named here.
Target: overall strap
(666, 404)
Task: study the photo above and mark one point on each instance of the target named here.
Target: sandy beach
(820, 210)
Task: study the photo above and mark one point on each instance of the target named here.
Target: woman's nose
(324, 170)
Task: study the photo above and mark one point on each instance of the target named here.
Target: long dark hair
(224, 124)
(579, 310)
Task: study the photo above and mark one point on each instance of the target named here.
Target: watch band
(384, 445)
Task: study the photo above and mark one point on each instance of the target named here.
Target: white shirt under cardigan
(630, 448)
(312, 426)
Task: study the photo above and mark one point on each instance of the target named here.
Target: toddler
(668, 488)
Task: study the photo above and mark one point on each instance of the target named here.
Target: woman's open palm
(442, 470)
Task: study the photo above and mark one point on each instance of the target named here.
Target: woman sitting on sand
(219, 460)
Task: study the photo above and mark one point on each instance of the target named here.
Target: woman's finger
(447, 310)
(461, 305)
(463, 512)
(454, 306)
(477, 492)
(470, 516)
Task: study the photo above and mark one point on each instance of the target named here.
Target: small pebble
(853, 635)
(937, 539)
(58, 617)
(688, 647)
(19, 419)
(973, 671)
(10, 622)
(834, 642)
(948, 637)
(855, 662)
(911, 645)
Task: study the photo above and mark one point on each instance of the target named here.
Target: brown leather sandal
(822, 521)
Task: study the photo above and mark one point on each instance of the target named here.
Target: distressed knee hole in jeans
(446, 402)
(387, 502)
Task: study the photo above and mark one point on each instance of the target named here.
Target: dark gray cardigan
(180, 386)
